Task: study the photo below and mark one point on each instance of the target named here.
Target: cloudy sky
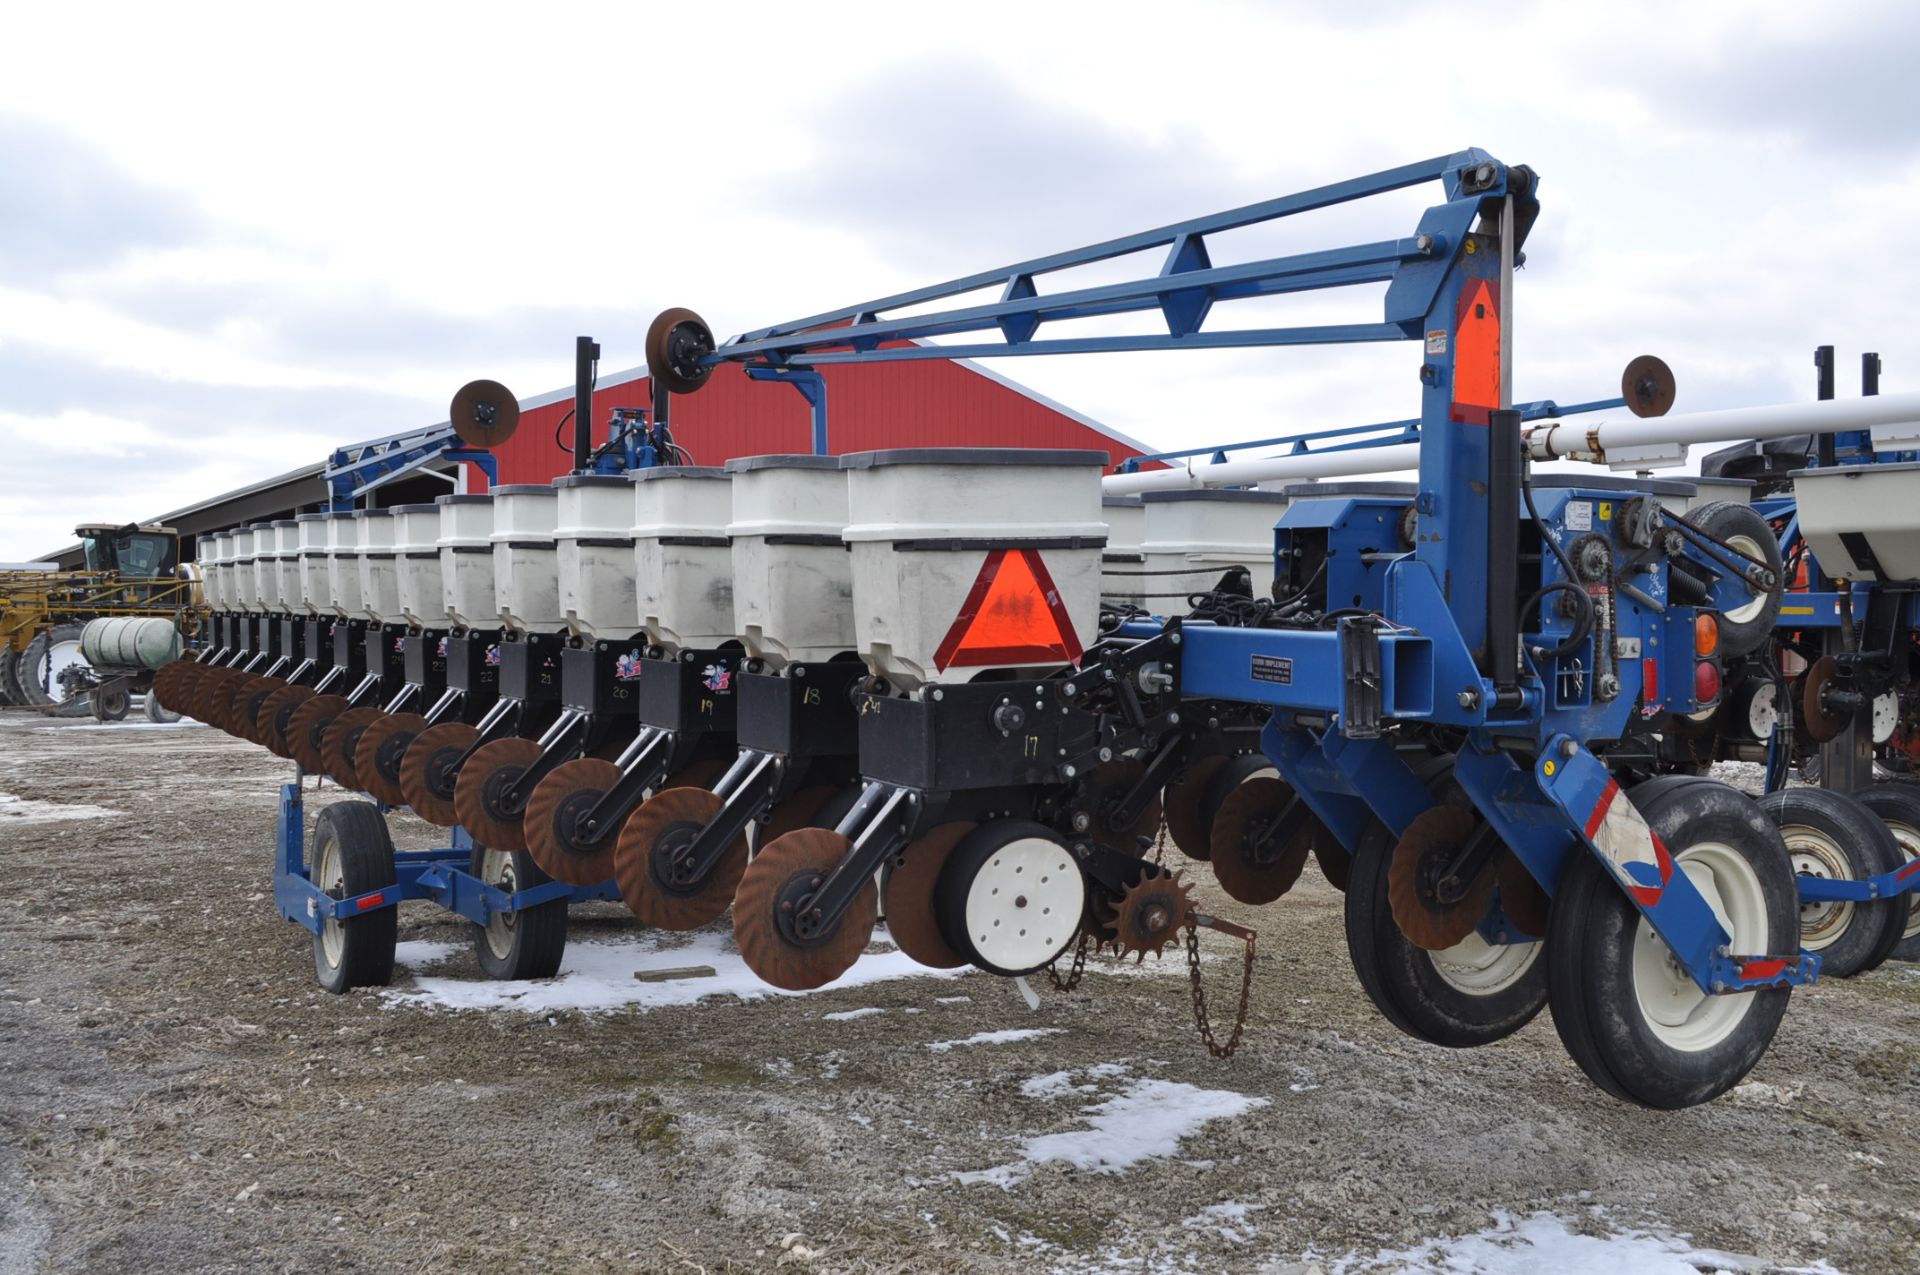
(232, 238)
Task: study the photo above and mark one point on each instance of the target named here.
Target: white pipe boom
(1620, 442)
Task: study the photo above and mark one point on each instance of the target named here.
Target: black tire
(1833, 835)
(1592, 983)
(10, 693)
(1441, 998)
(30, 672)
(971, 857)
(110, 705)
(1742, 526)
(524, 944)
(351, 844)
(1898, 806)
(159, 713)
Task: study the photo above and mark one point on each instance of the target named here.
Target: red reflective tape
(1650, 675)
(371, 901)
(1600, 808)
(1762, 969)
(1911, 868)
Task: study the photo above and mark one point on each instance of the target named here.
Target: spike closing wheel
(907, 896)
(307, 727)
(1436, 899)
(427, 772)
(657, 886)
(1152, 913)
(1647, 385)
(678, 342)
(377, 760)
(484, 414)
(1260, 841)
(778, 937)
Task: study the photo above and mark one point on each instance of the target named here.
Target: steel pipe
(1622, 442)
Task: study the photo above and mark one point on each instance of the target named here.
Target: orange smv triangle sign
(1012, 615)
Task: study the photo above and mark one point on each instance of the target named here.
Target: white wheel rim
(1763, 710)
(1025, 903)
(1478, 968)
(1750, 547)
(1816, 855)
(1673, 1007)
(60, 657)
(496, 869)
(1908, 838)
(1886, 716)
(331, 876)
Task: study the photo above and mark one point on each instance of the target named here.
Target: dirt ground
(178, 1095)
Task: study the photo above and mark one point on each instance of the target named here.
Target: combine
(967, 689)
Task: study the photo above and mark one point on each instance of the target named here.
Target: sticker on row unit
(1273, 668)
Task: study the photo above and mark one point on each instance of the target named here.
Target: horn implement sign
(1012, 615)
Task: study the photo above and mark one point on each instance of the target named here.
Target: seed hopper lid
(785, 460)
(1219, 494)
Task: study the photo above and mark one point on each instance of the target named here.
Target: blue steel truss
(359, 468)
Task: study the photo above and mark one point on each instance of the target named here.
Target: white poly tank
(316, 592)
(130, 641)
(466, 561)
(206, 552)
(792, 573)
(1192, 538)
(379, 570)
(266, 567)
(526, 567)
(593, 536)
(244, 588)
(416, 547)
(973, 558)
(1122, 561)
(343, 565)
(682, 561)
(1862, 521)
(286, 547)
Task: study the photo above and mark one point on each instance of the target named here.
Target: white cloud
(318, 225)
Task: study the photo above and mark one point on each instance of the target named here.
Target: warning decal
(1012, 615)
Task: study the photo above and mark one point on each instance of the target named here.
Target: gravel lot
(180, 1097)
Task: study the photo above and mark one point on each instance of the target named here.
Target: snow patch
(598, 978)
(23, 810)
(848, 1015)
(420, 953)
(1544, 1242)
(1147, 1120)
(1006, 1037)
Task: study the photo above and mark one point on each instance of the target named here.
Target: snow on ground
(599, 977)
(1146, 1120)
(179, 725)
(419, 953)
(1006, 1037)
(1544, 1242)
(21, 810)
(848, 1015)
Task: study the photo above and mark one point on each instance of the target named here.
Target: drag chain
(1200, 1018)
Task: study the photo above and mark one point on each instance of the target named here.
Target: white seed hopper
(526, 570)
(682, 563)
(792, 574)
(343, 564)
(379, 572)
(1193, 538)
(416, 546)
(466, 560)
(594, 539)
(1862, 521)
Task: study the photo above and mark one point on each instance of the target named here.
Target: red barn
(932, 403)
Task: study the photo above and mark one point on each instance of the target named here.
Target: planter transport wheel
(1745, 614)
(339, 747)
(1629, 1014)
(307, 727)
(1011, 898)
(779, 944)
(1898, 806)
(1833, 837)
(479, 793)
(665, 823)
(907, 891)
(377, 760)
(524, 944)
(353, 855)
(426, 772)
(1249, 864)
(551, 824)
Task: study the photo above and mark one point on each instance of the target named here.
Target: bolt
(1020, 900)
(1719, 986)
(1082, 821)
(1173, 719)
(1068, 771)
(1568, 748)
(1468, 699)
(1069, 689)
(1173, 639)
(1106, 754)
(937, 694)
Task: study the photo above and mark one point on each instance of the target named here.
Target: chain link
(1200, 1018)
(1072, 980)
